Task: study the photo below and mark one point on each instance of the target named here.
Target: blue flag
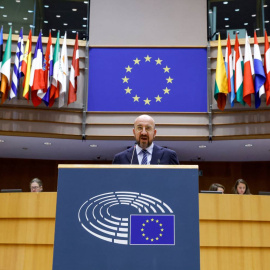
(139, 79)
(152, 230)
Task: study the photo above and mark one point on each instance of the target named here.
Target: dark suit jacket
(160, 155)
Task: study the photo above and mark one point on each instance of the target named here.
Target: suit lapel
(157, 154)
(130, 152)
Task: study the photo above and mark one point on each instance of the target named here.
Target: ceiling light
(16, 31)
(18, 1)
(225, 3)
(73, 31)
(10, 23)
(227, 26)
(210, 11)
(58, 16)
(46, 6)
(32, 26)
(46, 22)
(237, 9)
(253, 15)
(25, 19)
(53, 29)
(226, 19)
(202, 146)
(246, 23)
(5, 16)
(85, 19)
(65, 24)
(265, 5)
(248, 145)
(86, 2)
(1, 141)
(1, 7)
(93, 145)
(257, 29)
(84, 25)
(30, 11)
(74, 9)
(266, 21)
(47, 143)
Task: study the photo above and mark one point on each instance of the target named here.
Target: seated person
(217, 187)
(241, 187)
(36, 185)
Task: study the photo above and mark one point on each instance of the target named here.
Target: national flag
(56, 62)
(1, 51)
(17, 74)
(5, 69)
(248, 74)
(238, 66)
(221, 84)
(37, 79)
(44, 94)
(267, 67)
(26, 65)
(63, 72)
(74, 73)
(152, 230)
(229, 70)
(260, 77)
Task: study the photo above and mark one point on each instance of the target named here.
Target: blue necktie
(144, 159)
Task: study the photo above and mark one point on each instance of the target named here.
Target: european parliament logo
(151, 223)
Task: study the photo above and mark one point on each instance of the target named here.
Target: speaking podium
(127, 217)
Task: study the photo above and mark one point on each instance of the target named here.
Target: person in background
(36, 185)
(217, 187)
(241, 187)
(145, 151)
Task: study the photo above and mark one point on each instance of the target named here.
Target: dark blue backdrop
(75, 248)
(161, 80)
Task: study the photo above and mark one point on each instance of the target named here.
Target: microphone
(158, 162)
(134, 147)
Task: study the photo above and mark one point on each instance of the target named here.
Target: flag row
(45, 76)
(241, 79)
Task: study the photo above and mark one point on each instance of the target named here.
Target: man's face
(35, 187)
(144, 131)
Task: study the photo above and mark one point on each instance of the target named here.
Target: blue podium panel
(123, 217)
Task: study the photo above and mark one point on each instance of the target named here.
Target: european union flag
(154, 80)
(152, 230)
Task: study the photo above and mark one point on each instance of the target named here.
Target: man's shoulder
(161, 148)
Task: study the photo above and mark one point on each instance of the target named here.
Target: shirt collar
(149, 149)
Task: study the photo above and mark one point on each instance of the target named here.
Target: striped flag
(1, 51)
(26, 65)
(229, 70)
(5, 69)
(260, 77)
(63, 72)
(238, 67)
(17, 74)
(221, 85)
(37, 80)
(267, 67)
(44, 94)
(248, 74)
(74, 73)
(55, 85)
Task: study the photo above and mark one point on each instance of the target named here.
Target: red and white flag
(74, 73)
(248, 74)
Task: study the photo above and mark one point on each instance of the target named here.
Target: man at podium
(145, 152)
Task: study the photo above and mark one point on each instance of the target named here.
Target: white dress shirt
(140, 153)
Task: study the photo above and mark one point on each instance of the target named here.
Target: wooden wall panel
(17, 173)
